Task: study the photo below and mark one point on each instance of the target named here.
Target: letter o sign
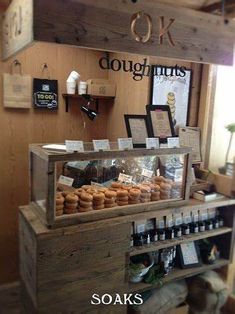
(134, 19)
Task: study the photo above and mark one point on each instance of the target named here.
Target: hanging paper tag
(125, 143)
(147, 173)
(74, 146)
(152, 142)
(124, 178)
(101, 145)
(66, 180)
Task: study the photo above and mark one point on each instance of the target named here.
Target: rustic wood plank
(10, 298)
(96, 25)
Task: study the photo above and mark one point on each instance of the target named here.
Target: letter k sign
(163, 30)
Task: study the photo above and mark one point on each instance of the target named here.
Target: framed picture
(189, 255)
(138, 128)
(172, 89)
(160, 122)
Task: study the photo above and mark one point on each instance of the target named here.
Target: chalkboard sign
(45, 94)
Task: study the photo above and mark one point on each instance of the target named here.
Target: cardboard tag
(147, 173)
(124, 178)
(125, 143)
(74, 146)
(152, 142)
(173, 142)
(66, 180)
(101, 145)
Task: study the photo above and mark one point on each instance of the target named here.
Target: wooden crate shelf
(187, 238)
(177, 274)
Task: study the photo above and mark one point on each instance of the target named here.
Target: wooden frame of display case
(50, 158)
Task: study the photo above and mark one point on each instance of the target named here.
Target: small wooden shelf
(84, 99)
(168, 243)
(200, 185)
(177, 274)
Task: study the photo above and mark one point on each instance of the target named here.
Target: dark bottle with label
(161, 235)
(194, 227)
(178, 231)
(209, 225)
(185, 229)
(170, 233)
(215, 222)
(202, 226)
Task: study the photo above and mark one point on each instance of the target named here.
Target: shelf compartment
(168, 243)
(178, 274)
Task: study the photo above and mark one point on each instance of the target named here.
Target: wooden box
(101, 87)
(103, 167)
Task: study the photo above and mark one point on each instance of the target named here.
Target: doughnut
(134, 192)
(78, 192)
(99, 207)
(98, 196)
(110, 194)
(65, 193)
(59, 199)
(85, 204)
(110, 205)
(84, 209)
(155, 187)
(116, 185)
(169, 181)
(132, 198)
(159, 179)
(114, 189)
(91, 191)
(165, 186)
(86, 197)
(71, 205)
(122, 199)
(134, 201)
(109, 200)
(59, 207)
(70, 211)
(155, 194)
(145, 200)
(145, 189)
(98, 202)
(122, 193)
(155, 199)
(145, 195)
(85, 187)
(120, 203)
(59, 212)
(103, 190)
(127, 187)
(71, 198)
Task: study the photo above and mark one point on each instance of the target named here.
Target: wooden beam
(192, 35)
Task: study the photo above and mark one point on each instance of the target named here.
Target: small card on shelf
(152, 142)
(125, 143)
(101, 145)
(173, 142)
(65, 180)
(124, 178)
(147, 173)
(74, 146)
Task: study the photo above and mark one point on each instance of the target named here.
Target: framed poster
(45, 94)
(172, 89)
(191, 137)
(160, 122)
(189, 255)
(137, 127)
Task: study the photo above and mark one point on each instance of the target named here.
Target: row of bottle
(175, 226)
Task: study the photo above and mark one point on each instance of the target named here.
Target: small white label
(66, 180)
(101, 145)
(125, 143)
(162, 237)
(74, 146)
(124, 178)
(147, 173)
(196, 230)
(155, 238)
(152, 142)
(173, 142)
(202, 228)
(179, 233)
(178, 175)
(187, 231)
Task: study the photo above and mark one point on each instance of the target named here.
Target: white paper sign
(101, 145)
(173, 142)
(147, 173)
(152, 142)
(124, 178)
(125, 143)
(74, 146)
(66, 180)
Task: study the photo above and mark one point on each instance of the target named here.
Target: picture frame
(160, 122)
(172, 89)
(137, 127)
(189, 255)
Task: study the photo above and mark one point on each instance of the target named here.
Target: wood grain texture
(96, 25)
(20, 128)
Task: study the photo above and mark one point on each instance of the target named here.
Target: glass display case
(69, 188)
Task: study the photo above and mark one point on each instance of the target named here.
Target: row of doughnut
(89, 198)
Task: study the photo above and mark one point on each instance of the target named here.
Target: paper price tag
(125, 143)
(101, 145)
(74, 146)
(66, 180)
(124, 178)
(147, 173)
(173, 142)
(152, 142)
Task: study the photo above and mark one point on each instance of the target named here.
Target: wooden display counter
(62, 268)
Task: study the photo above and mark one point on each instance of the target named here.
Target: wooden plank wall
(20, 127)
(132, 96)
